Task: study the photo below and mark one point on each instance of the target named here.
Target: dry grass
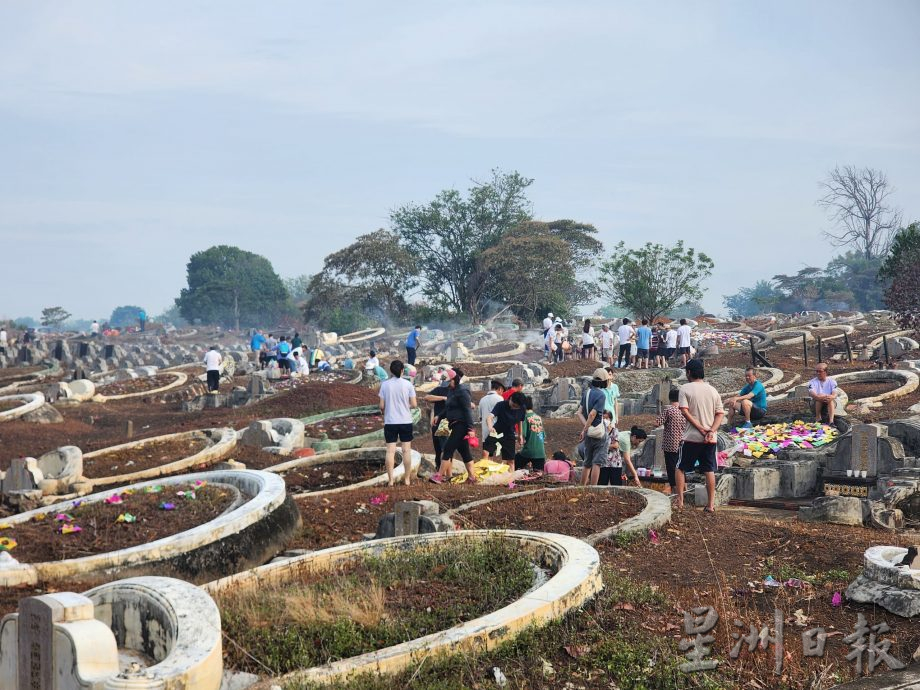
(364, 605)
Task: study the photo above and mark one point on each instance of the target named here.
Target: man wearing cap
(593, 440)
(701, 406)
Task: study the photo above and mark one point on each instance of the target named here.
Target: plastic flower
(63, 517)
(7, 544)
(167, 506)
(199, 483)
(114, 500)
(6, 525)
(155, 489)
(126, 517)
(38, 517)
(70, 529)
(836, 600)
(379, 499)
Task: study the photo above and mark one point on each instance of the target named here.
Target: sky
(133, 134)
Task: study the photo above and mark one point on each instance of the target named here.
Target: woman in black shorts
(459, 414)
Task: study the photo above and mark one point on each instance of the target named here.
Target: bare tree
(857, 200)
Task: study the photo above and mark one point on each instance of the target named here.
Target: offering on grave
(765, 441)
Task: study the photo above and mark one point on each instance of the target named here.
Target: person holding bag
(593, 438)
(459, 414)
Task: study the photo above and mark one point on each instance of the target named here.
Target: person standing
(503, 424)
(670, 344)
(256, 343)
(611, 395)
(486, 405)
(674, 423)
(659, 345)
(282, 352)
(683, 342)
(751, 400)
(4, 340)
(412, 344)
(533, 448)
(142, 320)
(643, 344)
(606, 337)
(212, 362)
(593, 439)
(459, 414)
(587, 340)
(823, 390)
(547, 327)
(297, 341)
(438, 398)
(701, 406)
(397, 400)
(558, 340)
(625, 333)
(94, 329)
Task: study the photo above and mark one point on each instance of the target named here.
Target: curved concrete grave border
(352, 454)
(224, 443)
(352, 441)
(576, 580)
(359, 336)
(894, 588)
(518, 349)
(32, 379)
(171, 622)
(181, 378)
(243, 536)
(908, 379)
(32, 402)
(657, 511)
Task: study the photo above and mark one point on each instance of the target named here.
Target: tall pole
(805, 347)
(885, 345)
(846, 340)
(820, 359)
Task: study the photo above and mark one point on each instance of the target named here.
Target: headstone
(801, 391)
(915, 564)
(58, 350)
(664, 390)
(83, 351)
(129, 429)
(658, 440)
(407, 514)
(25, 354)
(37, 616)
(864, 449)
(519, 371)
(108, 352)
(563, 391)
(22, 475)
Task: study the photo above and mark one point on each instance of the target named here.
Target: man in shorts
(397, 400)
(606, 339)
(751, 400)
(593, 444)
(683, 342)
(670, 344)
(701, 406)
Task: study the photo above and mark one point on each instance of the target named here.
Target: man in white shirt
(683, 342)
(4, 342)
(212, 362)
(488, 402)
(624, 333)
(606, 338)
(94, 329)
(397, 400)
(299, 365)
(670, 344)
(547, 326)
(372, 361)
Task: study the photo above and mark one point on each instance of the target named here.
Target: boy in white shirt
(683, 342)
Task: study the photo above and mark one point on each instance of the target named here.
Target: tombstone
(662, 391)
(563, 391)
(60, 468)
(801, 391)
(108, 352)
(519, 371)
(258, 386)
(407, 515)
(58, 350)
(657, 437)
(41, 652)
(25, 354)
(83, 350)
(864, 449)
(22, 475)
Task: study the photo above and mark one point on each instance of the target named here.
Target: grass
(370, 603)
(782, 571)
(595, 647)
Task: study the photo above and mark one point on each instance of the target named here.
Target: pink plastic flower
(114, 499)
(836, 599)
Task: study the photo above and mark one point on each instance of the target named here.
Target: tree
(859, 276)
(654, 279)
(124, 316)
(52, 316)
(232, 287)
(903, 268)
(542, 277)
(857, 201)
(448, 234)
(298, 288)
(378, 271)
(752, 301)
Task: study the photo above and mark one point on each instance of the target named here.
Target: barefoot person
(751, 401)
(459, 414)
(823, 390)
(701, 405)
(397, 400)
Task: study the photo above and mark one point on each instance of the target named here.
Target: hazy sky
(133, 134)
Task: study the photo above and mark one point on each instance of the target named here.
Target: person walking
(533, 448)
(701, 406)
(459, 414)
(397, 400)
(438, 398)
(674, 423)
(593, 442)
(625, 333)
(412, 344)
(212, 362)
(643, 345)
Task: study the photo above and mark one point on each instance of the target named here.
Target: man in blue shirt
(412, 343)
(643, 344)
(255, 345)
(751, 401)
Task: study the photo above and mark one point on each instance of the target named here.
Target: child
(533, 451)
(674, 424)
(559, 469)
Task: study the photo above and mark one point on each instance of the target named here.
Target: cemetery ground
(626, 637)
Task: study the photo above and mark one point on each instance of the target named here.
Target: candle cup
(865, 474)
(849, 473)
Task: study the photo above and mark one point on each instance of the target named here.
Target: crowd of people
(618, 345)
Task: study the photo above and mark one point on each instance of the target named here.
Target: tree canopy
(903, 268)
(232, 287)
(448, 234)
(54, 316)
(126, 315)
(655, 278)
